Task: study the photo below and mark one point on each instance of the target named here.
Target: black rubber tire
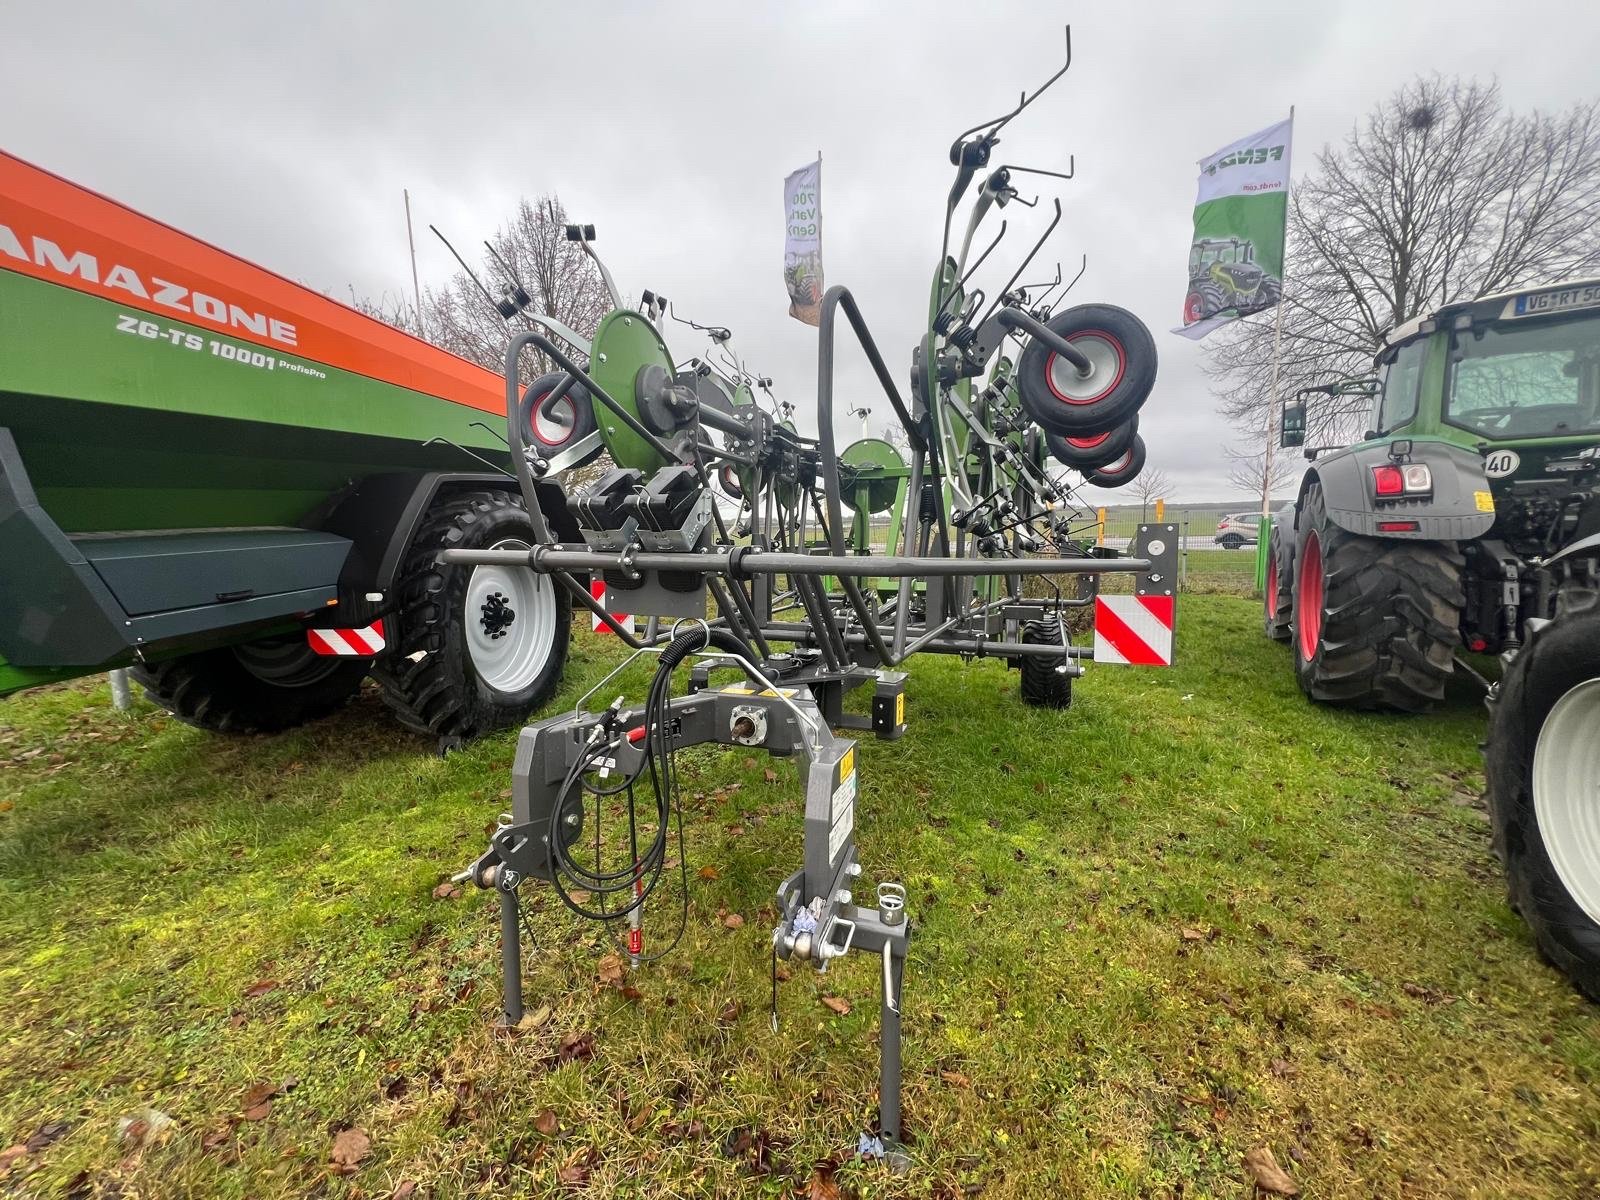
(1231, 541)
(1093, 450)
(1131, 348)
(1556, 659)
(219, 691)
(441, 693)
(576, 406)
(1277, 600)
(1126, 470)
(1390, 615)
(1042, 685)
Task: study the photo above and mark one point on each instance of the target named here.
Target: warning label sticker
(844, 815)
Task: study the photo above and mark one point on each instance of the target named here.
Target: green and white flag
(802, 246)
(1236, 258)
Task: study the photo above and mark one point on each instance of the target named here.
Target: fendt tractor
(238, 487)
(1468, 518)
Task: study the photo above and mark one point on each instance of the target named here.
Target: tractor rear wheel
(1277, 597)
(479, 647)
(1042, 685)
(260, 687)
(1542, 761)
(1375, 621)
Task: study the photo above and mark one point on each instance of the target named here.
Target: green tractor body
(1468, 518)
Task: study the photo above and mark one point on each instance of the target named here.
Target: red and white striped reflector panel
(1134, 630)
(347, 643)
(597, 589)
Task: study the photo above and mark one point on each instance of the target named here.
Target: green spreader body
(181, 432)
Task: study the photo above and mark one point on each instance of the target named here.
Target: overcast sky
(286, 131)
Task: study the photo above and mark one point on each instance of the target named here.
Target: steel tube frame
(779, 562)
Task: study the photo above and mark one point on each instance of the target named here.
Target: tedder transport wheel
(259, 687)
(549, 428)
(480, 647)
(1375, 621)
(1042, 685)
(1122, 471)
(1543, 766)
(1122, 370)
(1277, 597)
(1093, 450)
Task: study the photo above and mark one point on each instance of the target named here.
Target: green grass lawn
(1190, 917)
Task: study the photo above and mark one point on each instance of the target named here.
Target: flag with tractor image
(802, 246)
(1236, 258)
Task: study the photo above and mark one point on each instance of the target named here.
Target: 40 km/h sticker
(1500, 463)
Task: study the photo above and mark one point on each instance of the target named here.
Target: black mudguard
(1460, 509)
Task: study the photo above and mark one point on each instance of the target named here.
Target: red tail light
(1388, 481)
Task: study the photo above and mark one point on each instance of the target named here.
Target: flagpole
(1274, 403)
(416, 291)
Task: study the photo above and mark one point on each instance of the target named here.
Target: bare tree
(560, 278)
(1148, 486)
(1251, 474)
(1442, 194)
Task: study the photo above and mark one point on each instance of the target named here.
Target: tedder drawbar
(976, 512)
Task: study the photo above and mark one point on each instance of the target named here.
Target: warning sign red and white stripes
(597, 589)
(1134, 630)
(347, 643)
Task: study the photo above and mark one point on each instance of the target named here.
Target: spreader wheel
(480, 647)
(1120, 374)
(552, 426)
(1124, 470)
(259, 687)
(1093, 450)
(1042, 685)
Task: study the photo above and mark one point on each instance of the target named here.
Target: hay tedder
(781, 611)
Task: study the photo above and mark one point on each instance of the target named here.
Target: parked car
(1238, 529)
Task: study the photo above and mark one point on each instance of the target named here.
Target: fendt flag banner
(802, 246)
(1236, 258)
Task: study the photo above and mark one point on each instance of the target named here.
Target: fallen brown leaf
(447, 891)
(709, 873)
(1191, 934)
(729, 1013)
(1283, 1068)
(610, 971)
(1268, 1175)
(546, 1123)
(575, 1046)
(404, 1190)
(822, 1185)
(536, 1018)
(770, 775)
(733, 921)
(782, 972)
(837, 1003)
(955, 1079)
(10, 1154)
(260, 988)
(350, 1146)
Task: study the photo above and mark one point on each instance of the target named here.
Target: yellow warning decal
(900, 709)
(1485, 501)
(741, 689)
(847, 764)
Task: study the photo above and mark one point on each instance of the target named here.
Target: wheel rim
(1566, 793)
(510, 619)
(286, 662)
(1107, 362)
(1269, 594)
(1191, 308)
(1088, 443)
(1308, 600)
(553, 423)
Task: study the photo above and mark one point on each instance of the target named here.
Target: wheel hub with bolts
(497, 616)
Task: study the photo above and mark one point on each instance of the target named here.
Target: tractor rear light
(1398, 526)
(1388, 481)
(1419, 480)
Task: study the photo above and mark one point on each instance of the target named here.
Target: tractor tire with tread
(1042, 685)
(1559, 658)
(432, 680)
(1278, 595)
(220, 691)
(1375, 621)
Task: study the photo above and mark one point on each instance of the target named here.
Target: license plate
(1538, 304)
